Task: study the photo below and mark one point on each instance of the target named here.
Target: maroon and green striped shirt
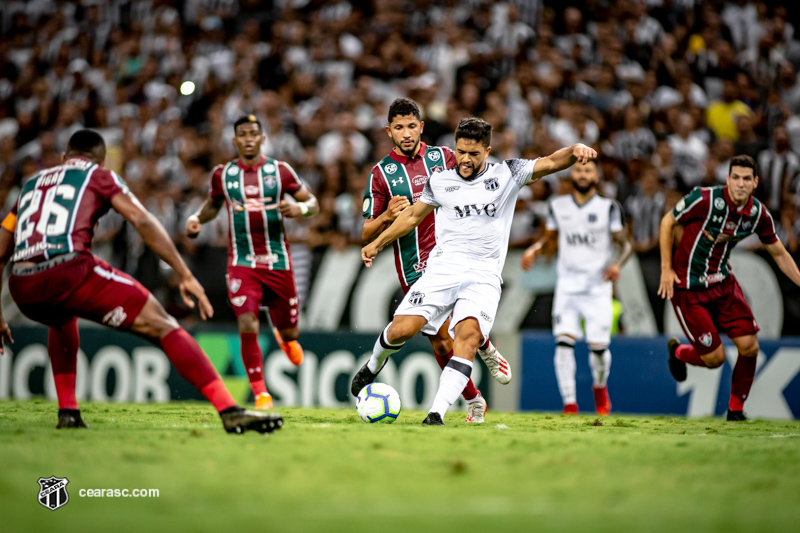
(713, 226)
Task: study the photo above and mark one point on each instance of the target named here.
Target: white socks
(600, 363)
(565, 369)
(381, 351)
(454, 378)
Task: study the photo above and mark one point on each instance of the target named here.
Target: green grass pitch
(328, 471)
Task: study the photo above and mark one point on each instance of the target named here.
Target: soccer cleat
(70, 418)
(292, 349)
(676, 367)
(238, 420)
(476, 408)
(737, 416)
(433, 419)
(497, 364)
(571, 409)
(264, 401)
(364, 377)
(602, 403)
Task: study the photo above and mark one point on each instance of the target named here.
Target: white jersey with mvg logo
(585, 244)
(473, 217)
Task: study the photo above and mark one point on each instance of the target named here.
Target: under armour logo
(396, 182)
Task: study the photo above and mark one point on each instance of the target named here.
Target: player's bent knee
(716, 358)
(153, 321)
(403, 328)
(248, 323)
(441, 346)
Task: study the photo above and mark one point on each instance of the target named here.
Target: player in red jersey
(698, 280)
(395, 183)
(259, 261)
(55, 278)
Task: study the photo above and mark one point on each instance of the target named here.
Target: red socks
(62, 347)
(741, 381)
(687, 354)
(470, 391)
(192, 363)
(253, 360)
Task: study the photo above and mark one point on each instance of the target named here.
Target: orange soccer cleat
(292, 349)
(602, 402)
(264, 401)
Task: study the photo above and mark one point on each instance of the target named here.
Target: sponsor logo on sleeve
(681, 204)
(365, 206)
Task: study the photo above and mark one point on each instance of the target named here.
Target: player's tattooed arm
(207, 212)
(375, 226)
(666, 238)
(784, 260)
(408, 220)
(6, 248)
(546, 245)
(561, 159)
(622, 240)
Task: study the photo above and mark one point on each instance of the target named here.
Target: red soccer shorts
(85, 287)
(251, 288)
(704, 313)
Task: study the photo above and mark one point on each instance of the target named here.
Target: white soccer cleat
(497, 364)
(476, 408)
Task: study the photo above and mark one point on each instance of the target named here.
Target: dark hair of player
(403, 107)
(743, 161)
(87, 143)
(476, 129)
(247, 119)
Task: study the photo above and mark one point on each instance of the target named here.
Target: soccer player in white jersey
(473, 204)
(587, 228)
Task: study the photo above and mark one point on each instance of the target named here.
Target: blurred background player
(586, 228)
(698, 280)
(395, 183)
(474, 204)
(55, 278)
(259, 261)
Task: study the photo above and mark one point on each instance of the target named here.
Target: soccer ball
(378, 402)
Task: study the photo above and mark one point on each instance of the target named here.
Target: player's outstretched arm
(156, 237)
(549, 241)
(305, 206)
(784, 260)
(561, 159)
(207, 212)
(668, 276)
(375, 226)
(622, 240)
(408, 220)
(6, 248)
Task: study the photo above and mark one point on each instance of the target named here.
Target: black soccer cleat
(238, 420)
(737, 416)
(364, 377)
(70, 418)
(433, 419)
(676, 367)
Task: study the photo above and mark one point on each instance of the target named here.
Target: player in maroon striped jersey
(704, 293)
(395, 183)
(259, 262)
(55, 278)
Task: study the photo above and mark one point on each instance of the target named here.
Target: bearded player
(259, 261)
(699, 281)
(55, 278)
(586, 228)
(395, 183)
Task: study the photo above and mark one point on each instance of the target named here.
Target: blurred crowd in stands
(666, 90)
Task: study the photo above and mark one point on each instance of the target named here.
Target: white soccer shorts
(446, 288)
(594, 308)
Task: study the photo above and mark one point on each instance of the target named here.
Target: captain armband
(10, 222)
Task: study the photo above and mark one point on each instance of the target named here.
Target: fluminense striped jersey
(59, 207)
(712, 227)
(252, 195)
(396, 175)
